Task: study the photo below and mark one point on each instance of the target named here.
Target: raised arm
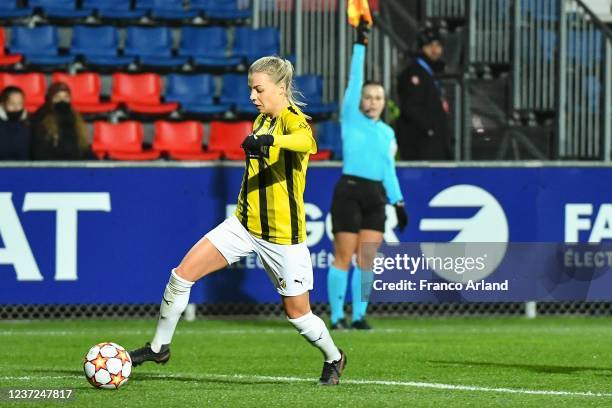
(352, 95)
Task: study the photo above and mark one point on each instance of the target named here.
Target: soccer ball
(107, 365)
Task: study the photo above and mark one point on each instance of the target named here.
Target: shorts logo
(488, 225)
(282, 284)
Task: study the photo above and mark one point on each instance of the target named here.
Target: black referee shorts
(358, 204)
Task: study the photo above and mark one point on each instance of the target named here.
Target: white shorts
(289, 267)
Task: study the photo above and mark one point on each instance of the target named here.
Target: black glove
(254, 143)
(362, 32)
(402, 217)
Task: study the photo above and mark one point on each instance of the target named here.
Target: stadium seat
(166, 9)
(585, 46)
(10, 10)
(330, 138)
(120, 141)
(39, 45)
(543, 10)
(85, 89)
(114, 9)
(195, 93)
(64, 9)
(321, 155)
(4, 58)
(182, 141)
(223, 9)
(207, 46)
(98, 46)
(152, 46)
(226, 137)
(253, 43)
(311, 87)
(33, 85)
(237, 94)
(141, 93)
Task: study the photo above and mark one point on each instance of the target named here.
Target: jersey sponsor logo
(488, 225)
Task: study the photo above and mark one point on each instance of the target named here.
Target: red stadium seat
(32, 84)
(85, 89)
(321, 155)
(141, 93)
(7, 59)
(182, 140)
(120, 141)
(226, 137)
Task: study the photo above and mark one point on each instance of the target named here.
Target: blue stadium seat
(39, 45)
(585, 46)
(114, 9)
(253, 43)
(547, 41)
(207, 46)
(330, 137)
(98, 45)
(9, 9)
(236, 93)
(153, 46)
(195, 93)
(543, 10)
(223, 9)
(311, 87)
(60, 8)
(166, 9)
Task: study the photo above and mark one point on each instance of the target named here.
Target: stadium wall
(107, 234)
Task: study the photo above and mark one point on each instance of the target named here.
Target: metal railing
(535, 62)
(317, 34)
(445, 9)
(585, 84)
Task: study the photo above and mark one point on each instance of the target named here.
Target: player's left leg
(289, 267)
(313, 329)
(361, 282)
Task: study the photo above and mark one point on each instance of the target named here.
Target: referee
(368, 182)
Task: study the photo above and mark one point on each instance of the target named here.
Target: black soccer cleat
(145, 353)
(332, 371)
(361, 325)
(341, 324)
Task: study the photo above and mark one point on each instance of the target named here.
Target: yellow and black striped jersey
(271, 200)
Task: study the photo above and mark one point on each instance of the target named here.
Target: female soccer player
(269, 220)
(368, 182)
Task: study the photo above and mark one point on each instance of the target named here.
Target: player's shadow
(142, 376)
(536, 368)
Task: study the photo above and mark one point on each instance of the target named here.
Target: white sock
(314, 330)
(176, 298)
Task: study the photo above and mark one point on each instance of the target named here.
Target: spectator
(14, 127)
(58, 131)
(423, 126)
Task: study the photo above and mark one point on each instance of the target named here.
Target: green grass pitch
(546, 362)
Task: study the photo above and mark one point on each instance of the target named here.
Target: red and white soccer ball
(107, 365)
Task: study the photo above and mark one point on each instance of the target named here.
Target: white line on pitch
(413, 384)
(289, 330)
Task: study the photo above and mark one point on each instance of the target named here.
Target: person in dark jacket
(58, 130)
(14, 127)
(422, 129)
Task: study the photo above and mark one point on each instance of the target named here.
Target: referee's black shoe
(361, 325)
(341, 324)
(332, 371)
(145, 353)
